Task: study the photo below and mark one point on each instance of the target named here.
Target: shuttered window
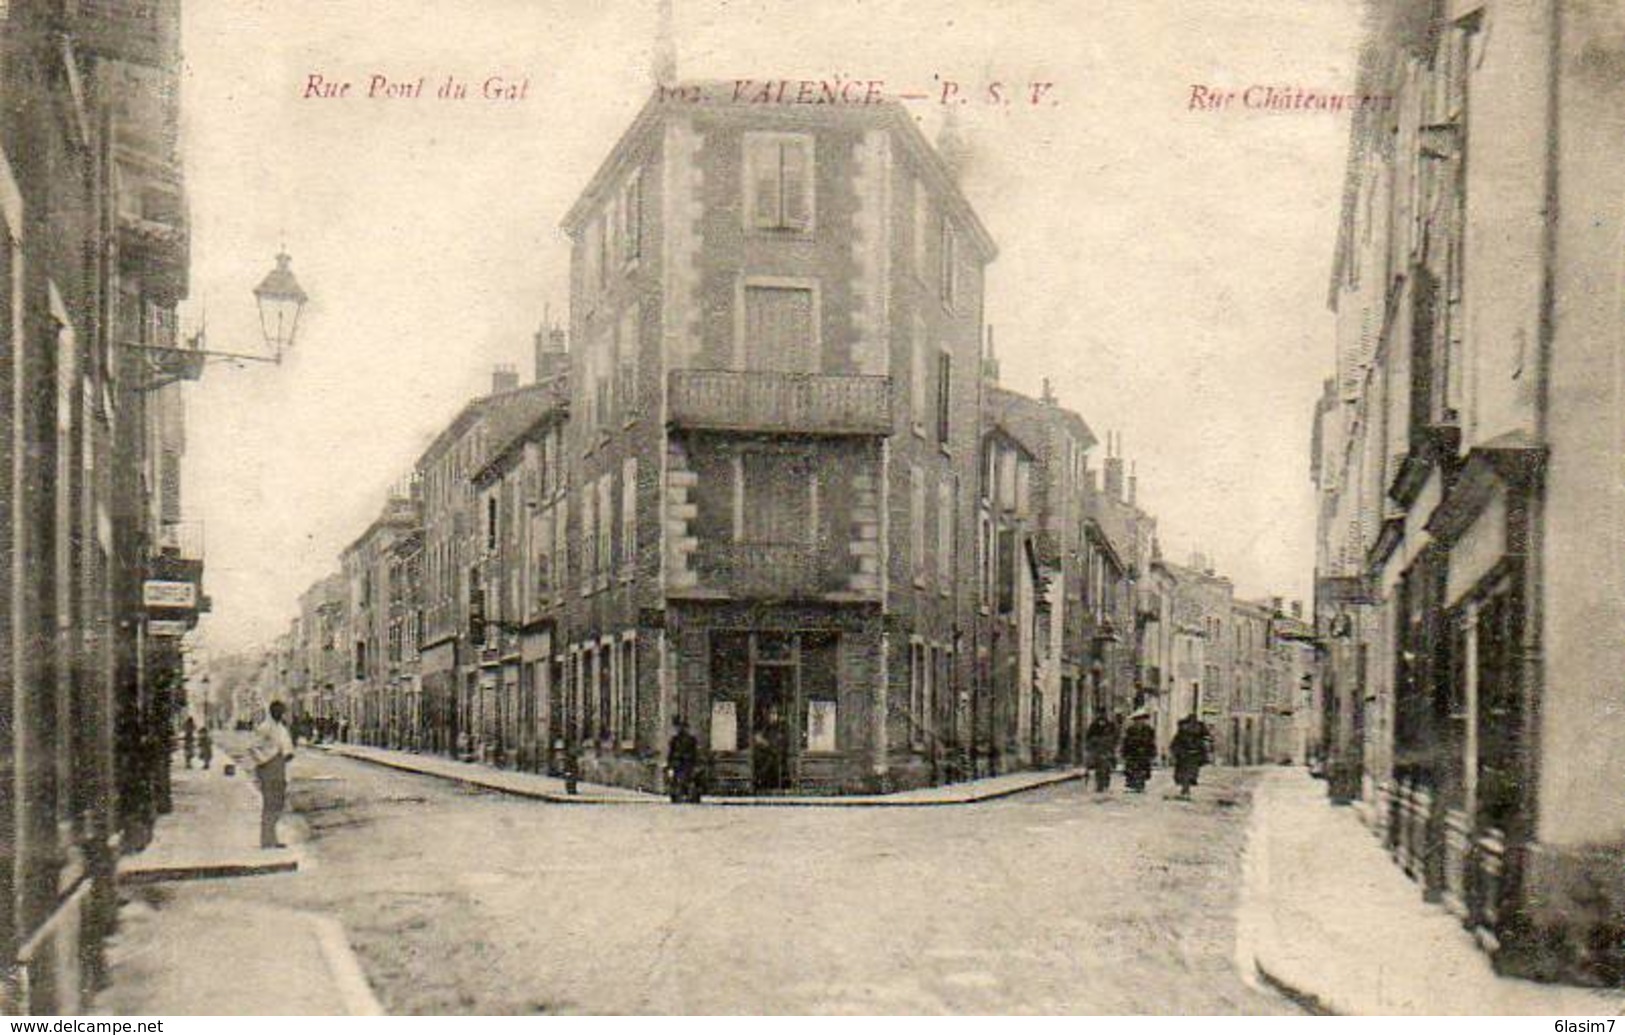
(779, 329)
(779, 181)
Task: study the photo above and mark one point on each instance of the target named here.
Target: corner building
(775, 327)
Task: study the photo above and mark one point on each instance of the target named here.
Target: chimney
(990, 360)
(1133, 484)
(1297, 609)
(1048, 398)
(1278, 605)
(1114, 466)
(551, 356)
(952, 146)
(504, 378)
(664, 58)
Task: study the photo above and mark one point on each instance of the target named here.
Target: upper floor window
(918, 376)
(950, 264)
(916, 529)
(945, 369)
(606, 522)
(629, 510)
(592, 271)
(779, 181)
(626, 359)
(632, 218)
(922, 220)
(780, 328)
(606, 243)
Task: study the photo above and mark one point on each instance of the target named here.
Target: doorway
(773, 695)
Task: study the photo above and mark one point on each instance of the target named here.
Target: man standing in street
(1100, 749)
(270, 753)
(1190, 751)
(1139, 751)
(682, 761)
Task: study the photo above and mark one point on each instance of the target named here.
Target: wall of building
(1583, 542)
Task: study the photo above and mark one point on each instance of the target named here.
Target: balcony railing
(762, 400)
(182, 539)
(767, 570)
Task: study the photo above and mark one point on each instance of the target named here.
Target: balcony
(154, 238)
(767, 571)
(770, 401)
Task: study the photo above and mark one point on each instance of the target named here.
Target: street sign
(166, 627)
(156, 593)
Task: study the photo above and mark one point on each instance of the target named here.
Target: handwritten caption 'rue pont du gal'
(379, 87)
(841, 90)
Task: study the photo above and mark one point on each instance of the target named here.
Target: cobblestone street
(1054, 901)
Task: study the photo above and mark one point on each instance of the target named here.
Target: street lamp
(280, 301)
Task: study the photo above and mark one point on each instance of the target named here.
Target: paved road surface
(1051, 902)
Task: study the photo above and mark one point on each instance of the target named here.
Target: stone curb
(345, 968)
(472, 780)
(854, 802)
(137, 875)
(862, 801)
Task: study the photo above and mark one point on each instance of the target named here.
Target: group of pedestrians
(196, 742)
(1108, 738)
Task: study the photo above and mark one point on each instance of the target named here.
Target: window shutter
(794, 176)
(629, 510)
(919, 395)
(763, 171)
(916, 546)
(632, 217)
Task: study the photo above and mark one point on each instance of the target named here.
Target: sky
(1165, 268)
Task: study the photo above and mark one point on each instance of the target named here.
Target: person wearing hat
(1190, 750)
(682, 764)
(1139, 750)
(1100, 750)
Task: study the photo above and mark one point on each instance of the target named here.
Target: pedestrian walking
(1190, 751)
(1100, 751)
(682, 764)
(1139, 751)
(189, 740)
(270, 753)
(205, 746)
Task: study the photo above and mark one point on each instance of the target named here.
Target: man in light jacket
(270, 753)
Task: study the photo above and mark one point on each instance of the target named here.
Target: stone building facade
(1468, 564)
(94, 255)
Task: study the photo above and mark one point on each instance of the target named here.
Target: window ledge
(781, 233)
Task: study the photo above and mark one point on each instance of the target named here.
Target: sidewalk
(1327, 917)
(214, 831)
(549, 788)
(223, 956)
(203, 947)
